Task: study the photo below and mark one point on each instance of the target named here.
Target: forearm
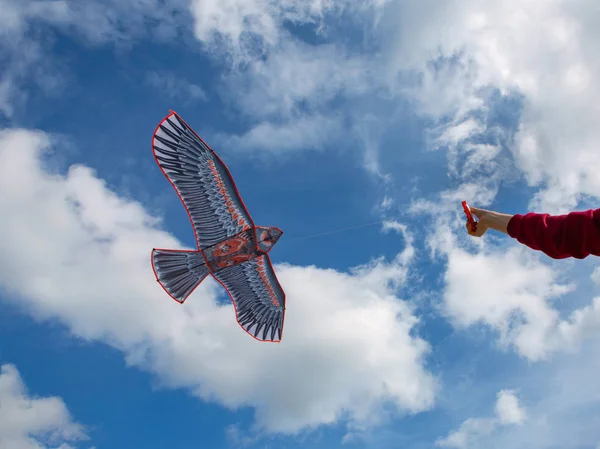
(498, 221)
(576, 234)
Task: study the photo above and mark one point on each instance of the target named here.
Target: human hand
(488, 219)
(482, 224)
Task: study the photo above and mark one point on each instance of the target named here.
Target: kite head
(267, 237)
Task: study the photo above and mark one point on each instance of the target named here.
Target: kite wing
(258, 298)
(202, 182)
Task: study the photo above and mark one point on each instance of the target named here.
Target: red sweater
(576, 234)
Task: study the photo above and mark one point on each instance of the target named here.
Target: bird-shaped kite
(229, 246)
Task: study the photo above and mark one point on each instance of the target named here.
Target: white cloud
(509, 290)
(509, 293)
(296, 77)
(304, 133)
(562, 403)
(447, 58)
(508, 412)
(28, 422)
(283, 87)
(541, 51)
(544, 52)
(596, 276)
(15, 14)
(456, 50)
(27, 27)
(250, 27)
(508, 287)
(583, 324)
(470, 430)
(177, 88)
(20, 56)
(508, 409)
(80, 253)
(288, 97)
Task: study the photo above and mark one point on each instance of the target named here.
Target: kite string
(337, 231)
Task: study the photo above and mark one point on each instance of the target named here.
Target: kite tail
(179, 272)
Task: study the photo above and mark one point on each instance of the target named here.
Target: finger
(469, 229)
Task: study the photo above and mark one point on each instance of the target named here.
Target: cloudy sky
(330, 114)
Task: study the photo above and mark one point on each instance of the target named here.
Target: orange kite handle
(470, 219)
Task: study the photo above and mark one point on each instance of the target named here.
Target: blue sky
(405, 333)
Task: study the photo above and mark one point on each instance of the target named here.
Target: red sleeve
(576, 234)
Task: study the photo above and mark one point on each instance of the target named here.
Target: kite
(228, 244)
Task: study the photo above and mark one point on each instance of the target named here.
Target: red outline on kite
(171, 113)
